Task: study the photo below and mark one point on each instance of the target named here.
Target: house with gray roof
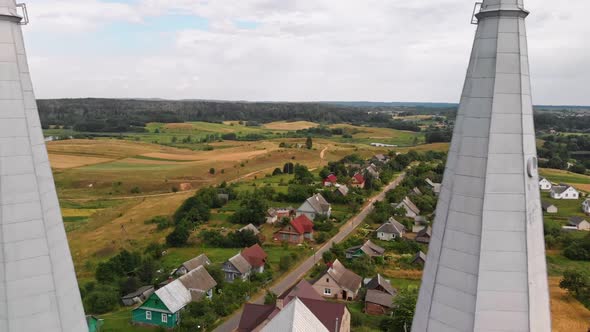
(419, 258)
(424, 235)
(342, 190)
(138, 296)
(315, 206)
(201, 260)
(338, 282)
(381, 284)
(548, 207)
(420, 222)
(368, 248)
(378, 303)
(564, 191)
(391, 230)
(579, 223)
(236, 267)
(411, 209)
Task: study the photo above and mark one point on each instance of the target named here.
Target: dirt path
(323, 153)
(294, 276)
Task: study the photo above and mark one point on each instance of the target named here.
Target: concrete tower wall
(485, 269)
(38, 287)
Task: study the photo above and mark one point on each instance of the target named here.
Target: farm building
(201, 260)
(342, 190)
(548, 207)
(368, 248)
(564, 191)
(251, 228)
(434, 186)
(377, 302)
(297, 231)
(579, 223)
(314, 206)
(424, 235)
(545, 184)
(391, 230)
(338, 283)
(380, 158)
(138, 296)
(586, 206)
(163, 307)
(276, 214)
(419, 258)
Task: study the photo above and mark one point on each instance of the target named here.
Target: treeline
(562, 122)
(124, 115)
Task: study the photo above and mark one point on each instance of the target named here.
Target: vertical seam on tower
(483, 203)
(525, 168)
(57, 302)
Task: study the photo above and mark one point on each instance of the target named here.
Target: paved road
(294, 276)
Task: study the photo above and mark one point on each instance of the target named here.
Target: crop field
(567, 314)
(368, 135)
(285, 125)
(580, 181)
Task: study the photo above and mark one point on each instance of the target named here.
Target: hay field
(369, 135)
(567, 314)
(64, 161)
(295, 125)
(580, 181)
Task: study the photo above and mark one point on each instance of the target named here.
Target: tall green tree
(309, 143)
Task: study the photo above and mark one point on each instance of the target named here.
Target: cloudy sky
(290, 50)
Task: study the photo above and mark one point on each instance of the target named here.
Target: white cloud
(307, 50)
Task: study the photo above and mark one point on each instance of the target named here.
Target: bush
(179, 236)
(357, 319)
(285, 263)
(101, 300)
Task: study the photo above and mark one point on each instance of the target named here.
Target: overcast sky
(289, 50)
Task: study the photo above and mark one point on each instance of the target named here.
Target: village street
(295, 275)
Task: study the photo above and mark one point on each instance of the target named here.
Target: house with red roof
(256, 256)
(297, 231)
(330, 180)
(358, 181)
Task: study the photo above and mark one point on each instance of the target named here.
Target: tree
(576, 282)
(211, 170)
(405, 304)
(252, 210)
(277, 171)
(270, 298)
(179, 236)
(101, 299)
(288, 168)
(309, 143)
(302, 175)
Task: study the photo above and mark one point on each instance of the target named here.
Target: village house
(331, 316)
(277, 214)
(578, 223)
(330, 180)
(368, 248)
(419, 258)
(420, 222)
(251, 228)
(424, 235)
(236, 267)
(358, 181)
(315, 206)
(163, 307)
(201, 260)
(391, 230)
(545, 184)
(373, 171)
(380, 158)
(548, 207)
(295, 317)
(338, 283)
(434, 186)
(342, 190)
(297, 231)
(380, 284)
(412, 210)
(564, 191)
(586, 206)
(256, 257)
(138, 296)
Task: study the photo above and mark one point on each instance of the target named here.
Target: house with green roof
(163, 307)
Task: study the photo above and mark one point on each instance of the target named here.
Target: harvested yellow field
(567, 314)
(182, 126)
(78, 212)
(296, 125)
(64, 161)
(103, 148)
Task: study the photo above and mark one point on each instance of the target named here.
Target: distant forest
(127, 115)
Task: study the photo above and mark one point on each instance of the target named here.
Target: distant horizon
(383, 103)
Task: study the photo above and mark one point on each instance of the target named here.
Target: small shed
(424, 235)
(548, 207)
(377, 302)
(419, 258)
(138, 296)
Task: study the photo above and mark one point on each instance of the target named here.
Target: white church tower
(38, 287)
(485, 269)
